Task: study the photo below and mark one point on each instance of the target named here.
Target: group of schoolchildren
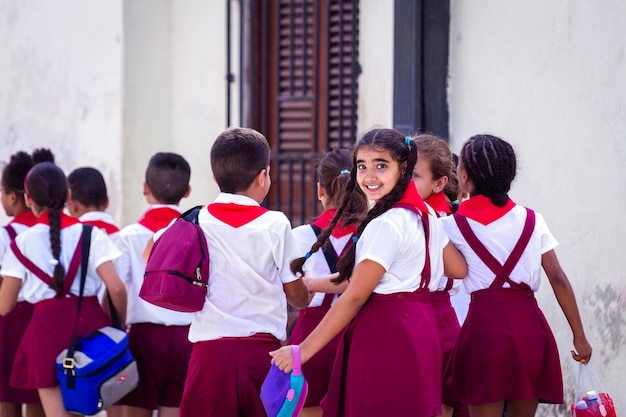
(372, 277)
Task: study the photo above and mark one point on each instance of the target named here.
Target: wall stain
(607, 303)
(606, 330)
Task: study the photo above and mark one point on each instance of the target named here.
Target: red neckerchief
(481, 209)
(101, 224)
(235, 215)
(26, 217)
(439, 203)
(65, 219)
(157, 218)
(411, 197)
(323, 221)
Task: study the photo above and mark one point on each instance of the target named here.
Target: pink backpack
(177, 271)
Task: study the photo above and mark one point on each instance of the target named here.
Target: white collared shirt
(248, 266)
(499, 237)
(316, 265)
(131, 267)
(395, 240)
(34, 243)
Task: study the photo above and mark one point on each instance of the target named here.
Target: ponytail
(47, 186)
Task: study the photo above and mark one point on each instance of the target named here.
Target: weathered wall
(60, 73)
(549, 78)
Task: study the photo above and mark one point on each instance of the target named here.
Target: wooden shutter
(343, 70)
(311, 84)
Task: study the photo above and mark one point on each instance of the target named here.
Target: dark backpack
(177, 271)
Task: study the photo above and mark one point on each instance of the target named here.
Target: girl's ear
(29, 200)
(403, 169)
(321, 192)
(440, 184)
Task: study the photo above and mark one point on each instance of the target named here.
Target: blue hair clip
(355, 239)
(307, 255)
(408, 140)
(344, 171)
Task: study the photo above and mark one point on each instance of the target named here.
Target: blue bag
(101, 371)
(97, 370)
(283, 394)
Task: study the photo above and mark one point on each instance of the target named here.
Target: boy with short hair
(157, 336)
(245, 314)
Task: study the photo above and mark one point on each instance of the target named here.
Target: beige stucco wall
(549, 78)
(376, 58)
(60, 83)
(174, 87)
(108, 83)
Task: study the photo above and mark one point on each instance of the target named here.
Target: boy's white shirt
(131, 267)
(247, 269)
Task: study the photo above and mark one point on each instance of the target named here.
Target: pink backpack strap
(297, 365)
(69, 276)
(11, 231)
(502, 271)
(426, 271)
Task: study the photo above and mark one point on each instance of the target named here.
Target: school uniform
(104, 221)
(389, 360)
(157, 336)
(245, 313)
(13, 325)
(506, 349)
(317, 369)
(447, 322)
(52, 324)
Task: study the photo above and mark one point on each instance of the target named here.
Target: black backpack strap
(331, 260)
(329, 252)
(191, 215)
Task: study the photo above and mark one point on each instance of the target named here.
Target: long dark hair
(403, 150)
(47, 186)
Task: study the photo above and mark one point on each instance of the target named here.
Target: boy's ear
(146, 189)
(188, 191)
(261, 177)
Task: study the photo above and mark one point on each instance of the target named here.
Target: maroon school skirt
(317, 369)
(48, 333)
(12, 328)
(225, 377)
(449, 329)
(506, 351)
(389, 361)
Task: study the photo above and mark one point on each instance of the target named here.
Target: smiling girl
(389, 360)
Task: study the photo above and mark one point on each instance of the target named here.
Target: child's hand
(283, 358)
(583, 350)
